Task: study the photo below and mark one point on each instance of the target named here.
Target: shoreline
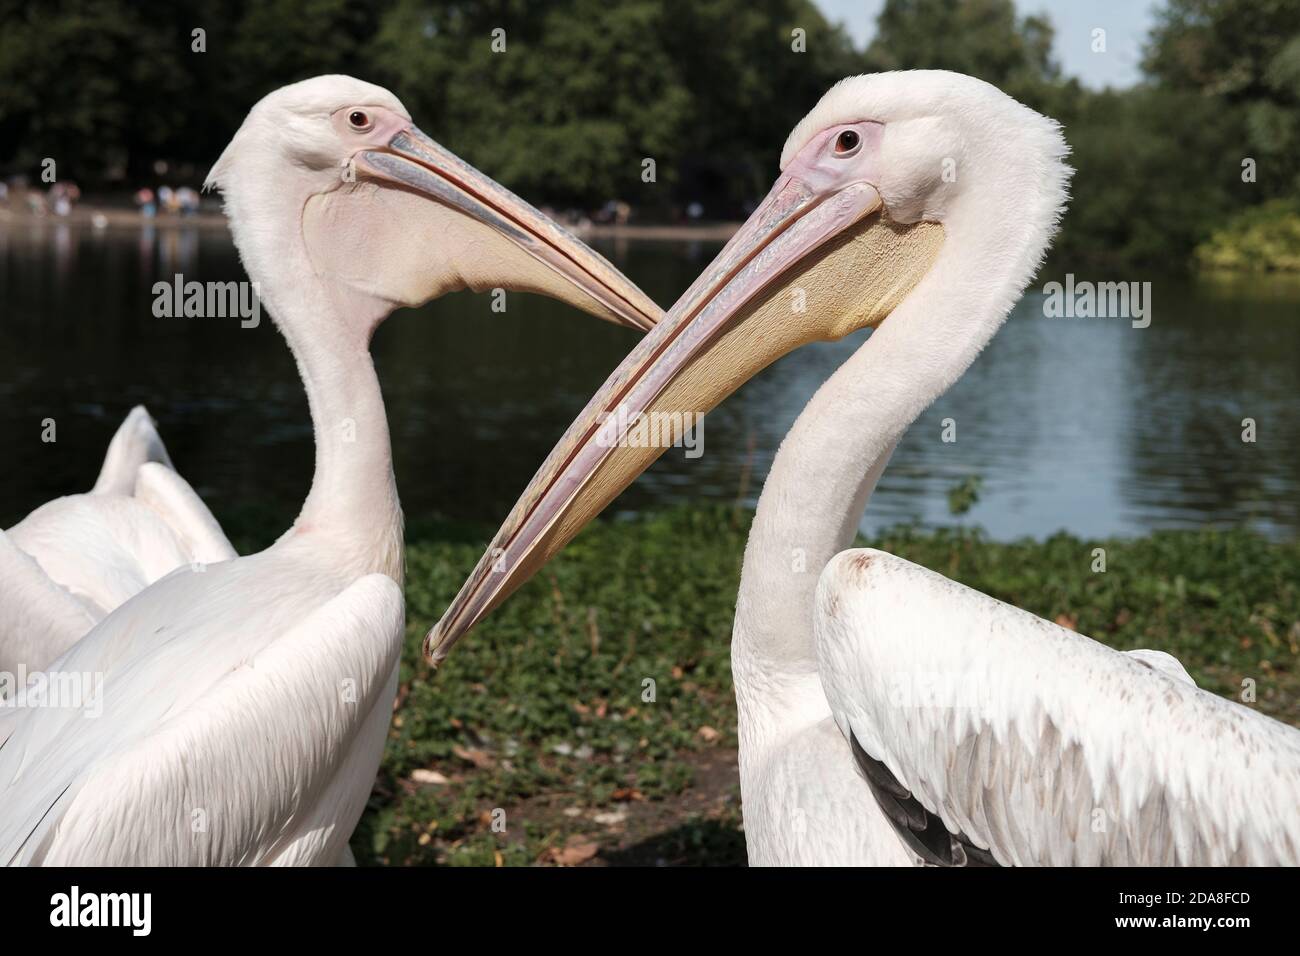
(90, 216)
(103, 218)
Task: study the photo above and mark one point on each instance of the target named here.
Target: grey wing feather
(922, 831)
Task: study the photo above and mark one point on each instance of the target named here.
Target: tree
(80, 83)
(1246, 54)
(109, 87)
(749, 85)
(983, 38)
(562, 104)
(1155, 172)
(585, 91)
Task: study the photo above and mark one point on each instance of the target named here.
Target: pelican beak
(812, 263)
(572, 271)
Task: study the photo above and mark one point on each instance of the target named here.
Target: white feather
(211, 745)
(91, 552)
(915, 666)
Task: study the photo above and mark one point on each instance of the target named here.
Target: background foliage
(708, 88)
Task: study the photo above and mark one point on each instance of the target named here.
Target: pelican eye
(847, 142)
(359, 120)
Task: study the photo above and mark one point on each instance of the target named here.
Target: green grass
(540, 713)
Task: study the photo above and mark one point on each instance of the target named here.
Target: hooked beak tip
(430, 648)
(437, 645)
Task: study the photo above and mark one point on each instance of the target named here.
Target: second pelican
(887, 716)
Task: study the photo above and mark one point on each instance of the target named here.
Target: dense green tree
(1245, 54)
(1155, 170)
(563, 104)
(585, 91)
(984, 38)
(748, 86)
(80, 82)
(108, 87)
(567, 106)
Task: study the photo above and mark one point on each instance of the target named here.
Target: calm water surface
(1083, 424)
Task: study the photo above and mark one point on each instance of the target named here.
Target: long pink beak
(414, 161)
(696, 356)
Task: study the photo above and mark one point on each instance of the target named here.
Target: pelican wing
(170, 497)
(135, 442)
(205, 754)
(90, 553)
(37, 613)
(1037, 744)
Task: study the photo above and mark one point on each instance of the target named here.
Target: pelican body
(887, 715)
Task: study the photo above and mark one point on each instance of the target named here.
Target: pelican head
(331, 175)
(924, 187)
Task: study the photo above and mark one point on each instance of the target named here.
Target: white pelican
(73, 560)
(886, 715)
(240, 708)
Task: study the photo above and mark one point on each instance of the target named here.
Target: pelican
(885, 714)
(73, 560)
(240, 708)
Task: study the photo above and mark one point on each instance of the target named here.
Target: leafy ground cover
(537, 741)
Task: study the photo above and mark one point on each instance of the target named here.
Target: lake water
(1088, 425)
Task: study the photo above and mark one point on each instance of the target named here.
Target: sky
(1126, 23)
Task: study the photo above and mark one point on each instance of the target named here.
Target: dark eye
(359, 120)
(847, 141)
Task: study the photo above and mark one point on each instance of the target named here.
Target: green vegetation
(586, 90)
(964, 495)
(541, 712)
(1262, 239)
